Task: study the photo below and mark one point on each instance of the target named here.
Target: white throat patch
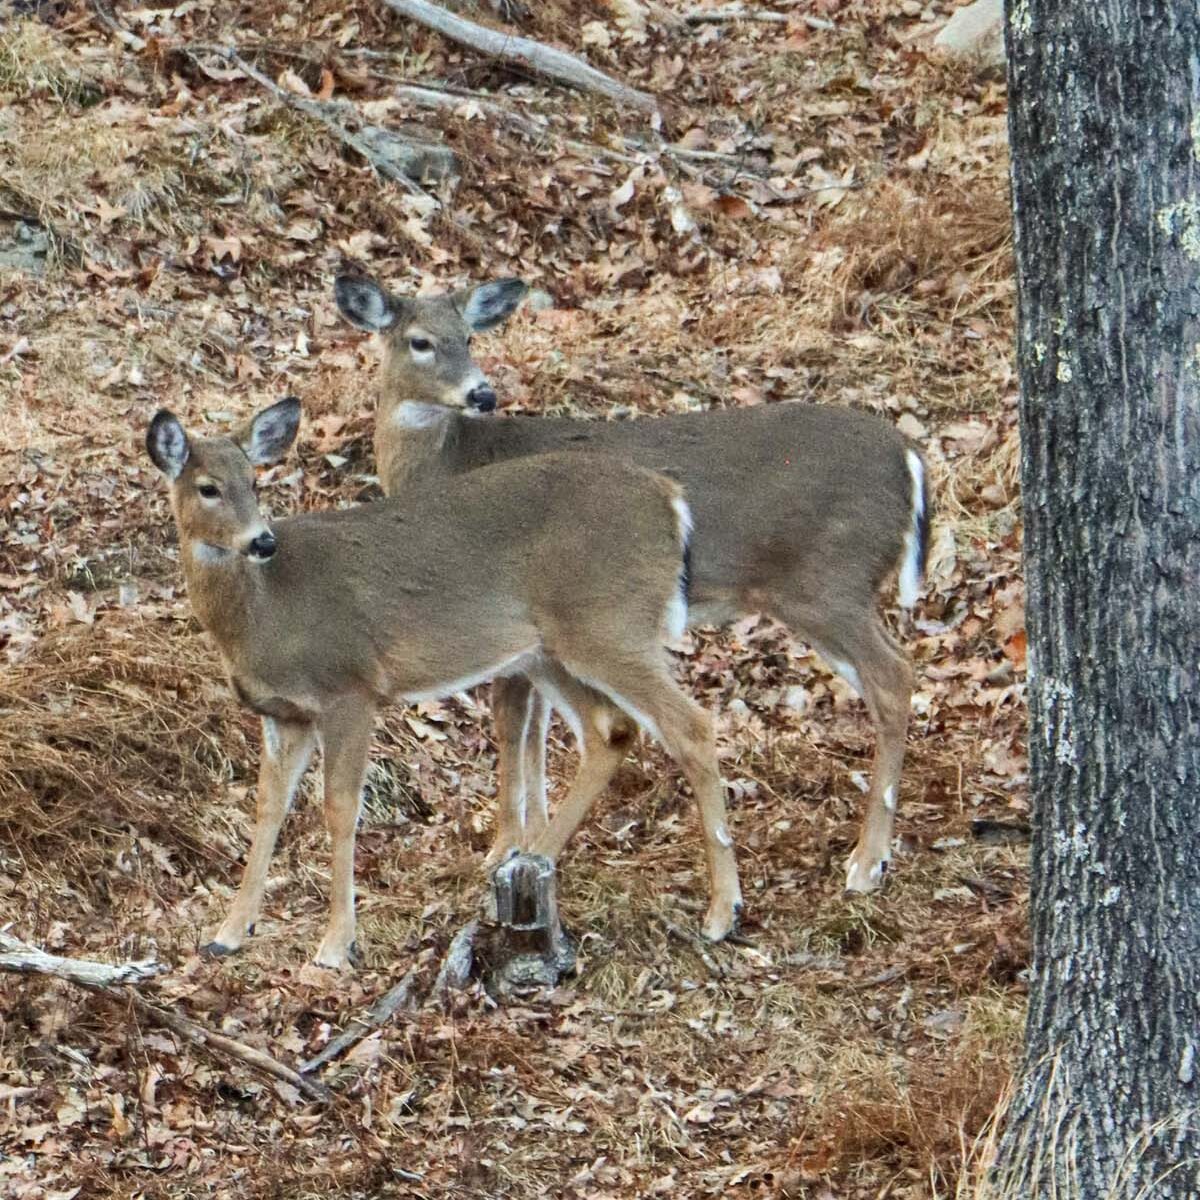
(414, 415)
(204, 554)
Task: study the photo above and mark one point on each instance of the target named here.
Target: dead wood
(697, 943)
(394, 157)
(131, 40)
(395, 999)
(523, 52)
(736, 12)
(526, 949)
(112, 982)
(456, 967)
(23, 959)
(192, 1031)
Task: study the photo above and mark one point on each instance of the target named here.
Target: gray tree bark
(1105, 132)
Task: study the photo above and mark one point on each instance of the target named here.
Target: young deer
(802, 513)
(570, 573)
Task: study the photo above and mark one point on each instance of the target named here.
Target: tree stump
(527, 949)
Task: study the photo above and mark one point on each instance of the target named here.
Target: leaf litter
(822, 217)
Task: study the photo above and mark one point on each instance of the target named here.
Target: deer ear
(167, 443)
(364, 303)
(267, 438)
(491, 304)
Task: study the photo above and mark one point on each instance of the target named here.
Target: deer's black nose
(263, 546)
(482, 398)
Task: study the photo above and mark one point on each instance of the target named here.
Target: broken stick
(368, 143)
(391, 1002)
(112, 981)
(24, 959)
(523, 52)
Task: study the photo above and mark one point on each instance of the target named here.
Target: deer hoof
(718, 926)
(214, 950)
(865, 876)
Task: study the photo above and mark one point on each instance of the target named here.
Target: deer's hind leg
(603, 734)
(853, 641)
(517, 710)
(286, 751)
(641, 686)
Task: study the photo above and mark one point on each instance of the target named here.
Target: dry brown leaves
(829, 224)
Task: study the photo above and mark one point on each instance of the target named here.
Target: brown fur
(569, 572)
(801, 513)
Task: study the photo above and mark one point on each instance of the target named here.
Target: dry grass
(803, 1061)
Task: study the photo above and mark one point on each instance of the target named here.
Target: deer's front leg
(346, 735)
(286, 750)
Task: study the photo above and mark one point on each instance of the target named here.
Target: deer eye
(209, 491)
(420, 345)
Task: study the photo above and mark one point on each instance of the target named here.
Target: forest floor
(831, 226)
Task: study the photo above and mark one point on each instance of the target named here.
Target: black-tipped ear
(491, 304)
(167, 443)
(364, 303)
(267, 438)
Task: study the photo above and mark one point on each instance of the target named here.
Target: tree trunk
(1105, 133)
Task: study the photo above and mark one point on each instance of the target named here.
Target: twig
(392, 1001)
(111, 982)
(259, 1060)
(695, 941)
(524, 52)
(24, 959)
(735, 12)
(437, 98)
(130, 39)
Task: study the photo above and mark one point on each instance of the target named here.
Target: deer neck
(224, 593)
(415, 441)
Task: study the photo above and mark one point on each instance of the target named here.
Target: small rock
(976, 31)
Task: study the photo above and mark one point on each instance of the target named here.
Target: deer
(571, 573)
(802, 512)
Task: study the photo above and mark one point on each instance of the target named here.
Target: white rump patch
(909, 583)
(677, 607)
(677, 614)
(683, 515)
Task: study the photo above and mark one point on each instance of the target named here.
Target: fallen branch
(455, 970)
(23, 959)
(735, 12)
(523, 52)
(436, 98)
(324, 113)
(697, 943)
(382, 1011)
(192, 1031)
(131, 40)
(112, 982)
